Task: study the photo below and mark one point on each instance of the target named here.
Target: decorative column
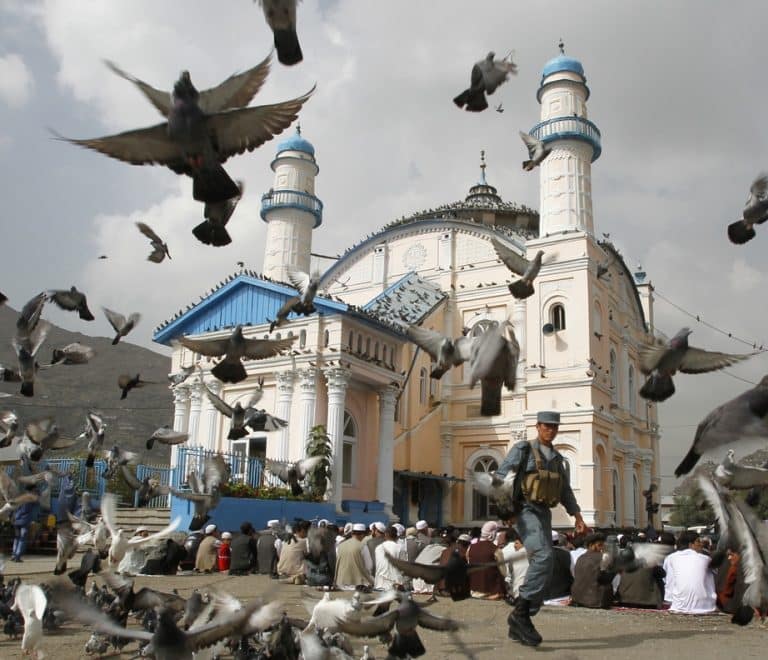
(337, 380)
(180, 417)
(195, 405)
(210, 437)
(307, 400)
(519, 308)
(446, 467)
(629, 492)
(386, 458)
(285, 381)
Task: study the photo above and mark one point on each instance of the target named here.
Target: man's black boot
(520, 624)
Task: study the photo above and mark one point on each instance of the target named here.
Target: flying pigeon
(196, 143)
(71, 301)
(755, 212)
(236, 413)
(537, 151)
(660, 362)
(493, 362)
(31, 332)
(9, 424)
(147, 489)
(293, 473)
(120, 324)
(90, 563)
(179, 377)
(126, 383)
(213, 230)
(43, 434)
(500, 108)
(281, 18)
(94, 433)
(31, 602)
(446, 352)
(497, 489)
(258, 419)
(739, 420)
(167, 436)
(159, 247)
(234, 348)
(731, 474)
(528, 270)
(487, 75)
(13, 496)
(74, 353)
(205, 490)
(66, 545)
(117, 457)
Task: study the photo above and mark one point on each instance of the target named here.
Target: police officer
(540, 485)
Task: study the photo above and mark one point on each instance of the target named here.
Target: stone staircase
(129, 518)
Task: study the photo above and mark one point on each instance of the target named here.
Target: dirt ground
(569, 633)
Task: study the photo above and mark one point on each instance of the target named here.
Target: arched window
(368, 347)
(351, 341)
(432, 381)
(616, 501)
(557, 316)
(636, 498)
(384, 353)
(423, 376)
(359, 344)
(631, 390)
(277, 336)
(597, 318)
(376, 350)
(302, 339)
(348, 470)
(482, 508)
(567, 466)
(290, 333)
(614, 383)
(326, 339)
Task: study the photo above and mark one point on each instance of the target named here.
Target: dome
(296, 143)
(562, 63)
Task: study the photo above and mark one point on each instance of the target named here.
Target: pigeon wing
(237, 131)
(109, 512)
(463, 346)
(278, 468)
(433, 622)
(170, 437)
(428, 340)
(717, 500)
(431, 573)
(208, 635)
(237, 90)
(117, 321)
(30, 600)
(298, 279)
(207, 347)
(744, 476)
(759, 187)
(699, 361)
(148, 232)
(218, 402)
(377, 625)
(169, 529)
(130, 478)
(258, 349)
(531, 142)
(511, 259)
(650, 356)
(157, 97)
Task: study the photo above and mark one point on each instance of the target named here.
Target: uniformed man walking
(541, 484)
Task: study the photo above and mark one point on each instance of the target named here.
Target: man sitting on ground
(591, 584)
(690, 582)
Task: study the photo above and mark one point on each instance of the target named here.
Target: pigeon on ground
(31, 332)
(95, 429)
(89, 563)
(493, 362)
(213, 230)
(237, 91)
(126, 383)
(145, 598)
(180, 376)
(74, 353)
(528, 270)
(167, 436)
(196, 143)
(235, 348)
(31, 602)
(120, 324)
(117, 457)
(731, 474)
(159, 247)
(9, 375)
(661, 361)
(739, 420)
(293, 473)
(445, 352)
(405, 620)
(487, 75)
(71, 301)
(537, 151)
(281, 18)
(236, 413)
(326, 613)
(147, 489)
(755, 212)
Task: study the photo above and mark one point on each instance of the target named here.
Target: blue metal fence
(247, 470)
(160, 472)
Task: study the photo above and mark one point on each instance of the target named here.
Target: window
(557, 317)
(359, 344)
(302, 339)
(432, 382)
(326, 339)
(423, 376)
(384, 353)
(631, 390)
(613, 381)
(616, 502)
(278, 336)
(349, 451)
(482, 507)
(351, 340)
(597, 318)
(368, 347)
(636, 498)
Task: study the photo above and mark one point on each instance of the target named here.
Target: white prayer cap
(273, 523)
(358, 527)
(400, 529)
(380, 526)
(421, 525)
(347, 529)
(465, 537)
(322, 522)
(141, 529)
(226, 535)
(210, 529)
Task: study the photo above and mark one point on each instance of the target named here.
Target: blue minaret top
(296, 142)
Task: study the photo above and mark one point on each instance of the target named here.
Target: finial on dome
(298, 128)
(561, 46)
(482, 167)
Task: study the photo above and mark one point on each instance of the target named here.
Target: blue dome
(296, 143)
(562, 63)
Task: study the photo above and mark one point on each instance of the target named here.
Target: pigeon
(500, 108)
(661, 361)
(195, 142)
(537, 151)
(31, 332)
(74, 353)
(117, 457)
(182, 375)
(638, 555)
(31, 602)
(121, 325)
(159, 247)
(497, 489)
(405, 620)
(205, 492)
(97, 534)
(167, 436)
(493, 362)
(9, 375)
(236, 413)
(308, 286)
(212, 231)
(66, 545)
(293, 473)
(147, 489)
(237, 91)
(731, 474)
(94, 433)
(42, 435)
(487, 75)
(739, 420)
(145, 598)
(89, 563)
(257, 419)
(13, 497)
(445, 352)
(120, 543)
(755, 212)
(9, 424)
(281, 18)
(327, 612)
(71, 301)
(235, 347)
(126, 383)
(528, 270)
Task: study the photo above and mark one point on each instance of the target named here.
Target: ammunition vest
(543, 486)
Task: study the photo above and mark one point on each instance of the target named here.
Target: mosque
(400, 437)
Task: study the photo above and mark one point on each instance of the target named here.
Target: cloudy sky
(678, 91)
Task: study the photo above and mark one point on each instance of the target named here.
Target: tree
(319, 444)
(686, 512)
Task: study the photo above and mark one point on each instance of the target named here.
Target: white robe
(690, 583)
(387, 576)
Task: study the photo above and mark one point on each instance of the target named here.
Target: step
(153, 519)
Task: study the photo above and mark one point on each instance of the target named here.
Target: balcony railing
(292, 199)
(576, 128)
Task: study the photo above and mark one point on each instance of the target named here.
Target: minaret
(566, 174)
(290, 208)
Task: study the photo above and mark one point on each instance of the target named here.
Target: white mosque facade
(400, 437)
